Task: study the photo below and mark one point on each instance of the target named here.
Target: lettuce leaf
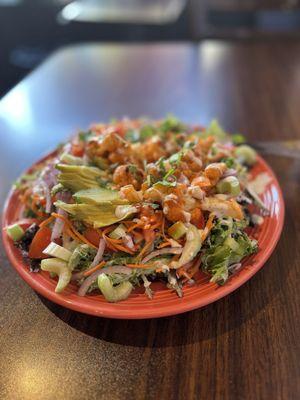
(228, 244)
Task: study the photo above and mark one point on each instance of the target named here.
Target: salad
(132, 202)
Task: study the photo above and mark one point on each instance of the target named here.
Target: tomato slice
(77, 149)
(40, 241)
(93, 236)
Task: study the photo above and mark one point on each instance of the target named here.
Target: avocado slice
(191, 248)
(78, 177)
(98, 215)
(98, 196)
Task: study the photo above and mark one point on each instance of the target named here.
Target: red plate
(165, 302)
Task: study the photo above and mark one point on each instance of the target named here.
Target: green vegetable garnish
(114, 293)
(229, 185)
(177, 230)
(15, 232)
(246, 155)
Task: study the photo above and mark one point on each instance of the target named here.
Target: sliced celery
(15, 232)
(177, 230)
(113, 293)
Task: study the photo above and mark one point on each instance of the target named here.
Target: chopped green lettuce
(81, 257)
(227, 244)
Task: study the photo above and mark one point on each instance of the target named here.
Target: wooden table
(245, 346)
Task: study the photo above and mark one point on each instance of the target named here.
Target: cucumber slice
(60, 268)
(55, 250)
(229, 185)
(246, 155)
(192, 247)
(113, 293)
(15, 232)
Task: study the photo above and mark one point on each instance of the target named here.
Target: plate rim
(107, 308)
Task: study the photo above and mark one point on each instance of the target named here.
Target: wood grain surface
(245, 346)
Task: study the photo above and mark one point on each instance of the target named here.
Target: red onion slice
(99, 255)
(230, 172)
(115, 269)
(58, 225)
(127, 240)
(166, 250)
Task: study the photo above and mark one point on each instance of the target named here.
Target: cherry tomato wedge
(40, 241)
(77, 149)
(93, 236)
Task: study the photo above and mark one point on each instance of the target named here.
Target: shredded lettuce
(227, 244)
(81, 257)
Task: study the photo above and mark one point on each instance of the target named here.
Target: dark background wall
(30, 29)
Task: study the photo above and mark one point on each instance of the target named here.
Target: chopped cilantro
(171, 123)
(176, 158)
(229, 161)
(169, 173)
(147, 131)
(166, 183)
(132, 135)
(84, 136)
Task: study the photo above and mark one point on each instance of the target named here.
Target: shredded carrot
(128, 223)
(182, 272)
(123, 248)
(137, 234)
(78, 234)
(91, 270)
(157, 225)
(109, 245)
(107, 229)
(132, 227)
(163, 228)
(113, 240)
(36, 210)
(145, 249)
(145, 266)
(46, 221)
(208, 227)
(164, 244)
